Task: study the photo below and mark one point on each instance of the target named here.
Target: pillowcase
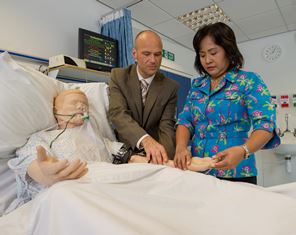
(98, 99)
(26, 98)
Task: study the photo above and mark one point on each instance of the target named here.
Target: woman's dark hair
(223, 36)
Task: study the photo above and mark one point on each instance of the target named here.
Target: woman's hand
(229, 158)
(182, 158)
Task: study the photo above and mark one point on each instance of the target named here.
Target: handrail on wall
(38, 59)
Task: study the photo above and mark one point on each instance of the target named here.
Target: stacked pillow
(26, 104)
(26, 101)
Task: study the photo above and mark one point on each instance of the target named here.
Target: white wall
(46, 28)
(280, 76)
(184, 58)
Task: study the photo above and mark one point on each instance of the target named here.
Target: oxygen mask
(90, 144)
(73, 115)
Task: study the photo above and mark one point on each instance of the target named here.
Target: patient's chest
(74, 143)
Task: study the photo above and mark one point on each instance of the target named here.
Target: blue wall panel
(185, 84)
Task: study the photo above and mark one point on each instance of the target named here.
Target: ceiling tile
(135, 32)
(289, 14)
(179, 7)
(250, 19)
(282, 3)
(242, 9)
(265, 33)
(292, 27)
(240, 36)
(172, 28)
(186, 40)
(116, 3)
(148, 14)
(262, 22)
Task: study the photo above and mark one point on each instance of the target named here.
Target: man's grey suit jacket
(132, 119)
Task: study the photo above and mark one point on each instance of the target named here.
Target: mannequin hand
(49, 170)
(138, 159)
(155, 152)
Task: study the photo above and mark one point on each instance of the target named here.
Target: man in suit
(145, 119)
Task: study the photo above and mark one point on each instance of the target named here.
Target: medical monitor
(98, 51)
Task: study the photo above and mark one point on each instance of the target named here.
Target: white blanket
(148, 199)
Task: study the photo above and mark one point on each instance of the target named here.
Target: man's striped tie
(144, 90)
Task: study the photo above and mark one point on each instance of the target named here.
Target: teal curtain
(120, 28)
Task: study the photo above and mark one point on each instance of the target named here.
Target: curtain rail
(116, 9)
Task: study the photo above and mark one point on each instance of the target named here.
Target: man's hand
(229, 158)
(48, 170)
(155, 152)
(182, 158)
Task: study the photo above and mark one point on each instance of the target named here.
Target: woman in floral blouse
(222, 106)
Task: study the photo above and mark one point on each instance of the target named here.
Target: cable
(73, 115)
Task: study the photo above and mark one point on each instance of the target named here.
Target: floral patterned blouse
(223, 117)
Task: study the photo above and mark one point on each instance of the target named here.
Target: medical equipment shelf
(77, 74)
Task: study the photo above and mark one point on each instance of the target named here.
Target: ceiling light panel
(204, 16)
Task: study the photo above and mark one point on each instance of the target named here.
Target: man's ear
(135, 54)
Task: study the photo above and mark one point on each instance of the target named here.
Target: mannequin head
(70, 107)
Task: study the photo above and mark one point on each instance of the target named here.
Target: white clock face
(272, 53)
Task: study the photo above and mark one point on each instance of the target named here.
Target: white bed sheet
(148, 199)
(288, 189)
(7, 185)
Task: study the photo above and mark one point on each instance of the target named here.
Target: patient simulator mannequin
(61, 154)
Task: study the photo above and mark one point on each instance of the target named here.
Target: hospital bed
(124, 199)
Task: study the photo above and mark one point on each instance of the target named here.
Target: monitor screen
(98, 51)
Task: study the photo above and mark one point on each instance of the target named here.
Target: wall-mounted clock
(272, 52)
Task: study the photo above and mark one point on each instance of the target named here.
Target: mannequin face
(73, 104)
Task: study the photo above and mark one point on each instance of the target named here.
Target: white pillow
(98, 98)
(26, 99)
